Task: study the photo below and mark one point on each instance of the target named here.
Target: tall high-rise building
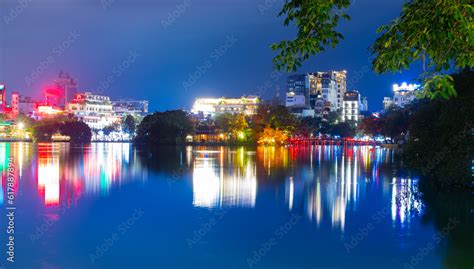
(299, 88)
(341, 83)
(316, 90)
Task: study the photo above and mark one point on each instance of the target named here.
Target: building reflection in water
(14, 155)
(48, 173)
(405, 201)
(63, 173)
(224, 178)
(327, 182)
(336, 179)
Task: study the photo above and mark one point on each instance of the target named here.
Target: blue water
(111, 206)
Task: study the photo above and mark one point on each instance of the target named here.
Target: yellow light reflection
(216, 184)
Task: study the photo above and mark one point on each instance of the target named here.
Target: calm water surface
(110, 206)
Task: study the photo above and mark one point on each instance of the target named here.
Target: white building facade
(211, 106)
(94, 110)
(352, 106)
(403, 95)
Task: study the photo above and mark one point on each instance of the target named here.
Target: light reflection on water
(64, 173)
(336, 189)
(217, 183)
(328, 183)
(328, 187)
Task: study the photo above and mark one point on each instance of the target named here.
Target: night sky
(150, 49)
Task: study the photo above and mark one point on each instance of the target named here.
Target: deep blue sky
(107, 34)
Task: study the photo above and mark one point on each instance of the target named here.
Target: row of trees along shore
(273, 124)
(71, 129)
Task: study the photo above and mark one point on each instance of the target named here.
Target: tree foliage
(309, 126)
(439, 34)
(441, 144)
(272, 137)
(129, 124)
(342, 129)
(166, 127)
(316, 22)
(78, 132)
(274, 116)
(234, 125)
(372, 126)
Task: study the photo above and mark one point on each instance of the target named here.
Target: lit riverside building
(211, 106)
(353, 105)
(315, 94)
(94, 110)
(403, 94)
(130, 107)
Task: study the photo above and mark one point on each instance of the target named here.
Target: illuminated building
(94, 110)
(53, 96)
(6, 129)
(300, 89)
(3, 97)
(27, 105)
(61, 91)
(353, 106)
(15, 103)
(295, 100)
(211, 106)
(403, 94)
(45, 111)
(130, 107)
(315, 91)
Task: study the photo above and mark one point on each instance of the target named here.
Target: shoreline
(210, 144)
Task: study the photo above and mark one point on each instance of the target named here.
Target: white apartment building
(352, 106)
(94, 110)
(294, 101)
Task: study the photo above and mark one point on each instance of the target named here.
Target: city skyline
(168, 69)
